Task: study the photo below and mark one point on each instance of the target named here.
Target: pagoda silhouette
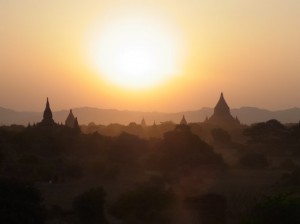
(143, 123)
(222, 116)
(183, 125)
(47, 117)
(71, 120)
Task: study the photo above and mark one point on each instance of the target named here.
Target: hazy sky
(248, 49)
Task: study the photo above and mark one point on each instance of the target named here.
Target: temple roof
(222, 105)
(70, 119)
(76, 124)
(47, 118)
(143, 122)
(47, 111)
(183, 121)
(222, 116)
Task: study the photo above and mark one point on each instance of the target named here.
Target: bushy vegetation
(220, 136)
(89, 206)
(276, 210)
(184, 151)
(254, 160)
(210, 208)
(146, 172)
(146, 203)
(20, 202)
(275, 137)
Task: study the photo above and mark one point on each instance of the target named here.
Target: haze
(248, 49)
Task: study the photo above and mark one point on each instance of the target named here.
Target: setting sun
(136, 52)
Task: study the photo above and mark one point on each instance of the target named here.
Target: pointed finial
(47, 104)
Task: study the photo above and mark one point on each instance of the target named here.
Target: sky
(250, 50)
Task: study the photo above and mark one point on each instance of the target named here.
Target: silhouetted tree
(220, 136)
(292, 179)
(145, 204)
(211, 208)
(270, 132)
(288, 164)
(89, 206)
(181, 150)
(134, 129)
(276, 210)
(20, 203)
(127, 149)
(254, 160)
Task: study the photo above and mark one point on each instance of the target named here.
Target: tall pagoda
(222, 115)
(47, 117)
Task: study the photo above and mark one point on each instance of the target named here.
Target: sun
(136, 52)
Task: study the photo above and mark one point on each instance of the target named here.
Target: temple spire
(222, 106)
(47, 117)
(47, 111)
(47, 103)
(76, 124)
(70, 120)
(143, 123)
(183, 121)
(183, 125)
(222, 116)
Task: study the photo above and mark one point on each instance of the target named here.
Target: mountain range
(85, 115)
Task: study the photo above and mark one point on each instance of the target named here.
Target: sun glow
(136, 52)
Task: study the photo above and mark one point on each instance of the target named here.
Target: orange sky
(250, 50)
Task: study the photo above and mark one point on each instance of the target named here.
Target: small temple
(143, 123)
(71, 120)
(47, 117)
(222, 116)
(183, 121)
(183, 125)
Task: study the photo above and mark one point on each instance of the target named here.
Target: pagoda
(222, 116)
(47, 117)
(183, 121)
(71, 121)
(143, 123)
(183, 125)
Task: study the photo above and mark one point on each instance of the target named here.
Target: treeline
(132, 177)
(47, 154)
(61, 155)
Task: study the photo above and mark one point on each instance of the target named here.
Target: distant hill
(246, 115)
(249, 115)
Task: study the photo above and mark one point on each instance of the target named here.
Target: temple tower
(183, 121)
(47, 117)
(143, 123)
(183, 125)
(222, 116)
(70, 120)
